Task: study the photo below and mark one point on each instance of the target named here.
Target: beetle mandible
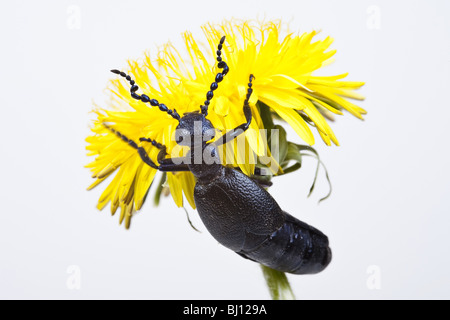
(237, 211)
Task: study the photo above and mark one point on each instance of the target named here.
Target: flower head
(283, 66)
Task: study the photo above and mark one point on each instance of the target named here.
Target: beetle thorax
(195, 131)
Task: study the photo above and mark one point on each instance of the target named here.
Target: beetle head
(194, 129)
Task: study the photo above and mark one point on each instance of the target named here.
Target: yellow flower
(283, 66)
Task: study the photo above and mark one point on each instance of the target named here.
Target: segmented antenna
(144, 98)
(249, 90)
(219, 77)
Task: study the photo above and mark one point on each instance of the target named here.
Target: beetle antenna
(144, 98)
(249, 90)
(219, 77)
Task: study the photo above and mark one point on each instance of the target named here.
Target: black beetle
(237, 211)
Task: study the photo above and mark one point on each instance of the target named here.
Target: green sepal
(313, 153)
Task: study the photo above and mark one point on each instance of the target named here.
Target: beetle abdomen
(232, 205)
(244, 217)
(295, 247)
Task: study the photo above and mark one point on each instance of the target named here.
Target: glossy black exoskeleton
(236, 210)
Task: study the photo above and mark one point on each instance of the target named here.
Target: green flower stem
(159, 189)
(278, 284)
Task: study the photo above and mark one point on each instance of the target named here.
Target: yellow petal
(283, 81)
(295, 121)
(175, 189)
(188, 184)
(283, 98)
(222, 106)
(146, 176)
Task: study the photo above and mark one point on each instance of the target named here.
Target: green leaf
(277, 284)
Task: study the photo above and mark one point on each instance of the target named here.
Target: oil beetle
(237, 211)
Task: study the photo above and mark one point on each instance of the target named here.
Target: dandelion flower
(283, 65)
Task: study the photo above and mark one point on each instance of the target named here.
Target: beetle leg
(232, 134)
(174, 164)
(166, 163)
(163, 150)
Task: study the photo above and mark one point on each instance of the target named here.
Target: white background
(391, 176)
